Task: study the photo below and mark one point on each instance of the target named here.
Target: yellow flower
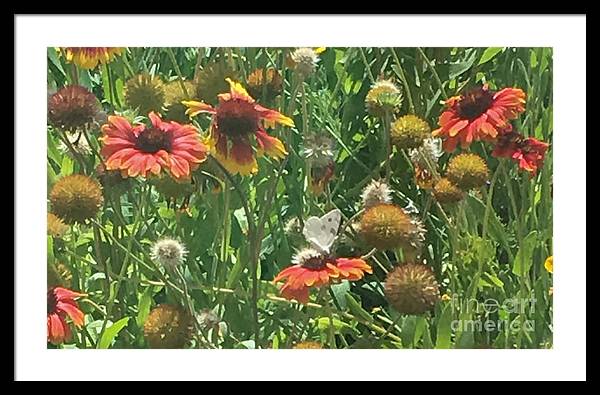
(549, 264)
(89, 57)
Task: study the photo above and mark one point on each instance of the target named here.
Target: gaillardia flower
(89, 57)
(480, 114)
(168, 252)
(409, 132)
(386, 226)
(549, 264)
(383, 98)
(76, 198)
(56, 226)
(376, 192)
(72, 107)
(268, 81)
(167, 326)
(412, 289)
(62, 304)
(236, 121)
(145, 93)
(313, 269)
(467, 171)
(139, 150)
(527, 152)
(446, 192)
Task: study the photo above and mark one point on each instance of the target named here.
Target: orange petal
(196, 107)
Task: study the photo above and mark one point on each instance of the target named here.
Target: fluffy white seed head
(168, 252)
(376, 192)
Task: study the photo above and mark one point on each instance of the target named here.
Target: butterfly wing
(321, 232)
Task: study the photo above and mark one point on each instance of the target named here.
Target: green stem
(366, 62)
(177, 70)
(435, 74)
(411, 104)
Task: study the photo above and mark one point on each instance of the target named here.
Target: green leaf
(459, 68)
(524, 257)
(67, 166)
(53, 56)
(111, 333)
(339, 292)
(444, 331)
(357, 310)
(323, 324)
(50, 253)
(238, 267)
(144, 307)
(489, 54)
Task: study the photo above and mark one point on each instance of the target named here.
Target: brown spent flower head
(376, 192)
(467, 171)
(446, 192)
(412, 289)
(409, 132)
(383, 98)
(56, 227)
(272, 85)
(72, 107)
(308, 345)
(146, 93)
(174, 95)
(386, 226)
(167, 326)
(210, 82)
(76, 198)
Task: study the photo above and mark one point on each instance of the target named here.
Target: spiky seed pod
(59, 275)
(210, 81)
(56, 227)
(383, 98)
(72, 107)
(409, 132)
(76, 198)
(304, 60)
(412, 289)
(308, 345)
(272, 85)
(174, 95)
(467, 171)
(112, 181)
(146, 93)
(168, 252)
(173, 189)
(376, 192)
(167, 326)
(386, 226)
(446, 192)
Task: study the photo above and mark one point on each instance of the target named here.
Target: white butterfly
(321, 232)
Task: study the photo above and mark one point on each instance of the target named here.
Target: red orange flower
(62, 304)
(528, 152)
(236, 121)
(312, 269)
(137, 150)
(480, 114)
(89, 57)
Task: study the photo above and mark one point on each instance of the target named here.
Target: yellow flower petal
(549, 264)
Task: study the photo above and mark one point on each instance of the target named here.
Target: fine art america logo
(492, 315)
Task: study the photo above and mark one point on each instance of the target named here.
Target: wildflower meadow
(318, 197)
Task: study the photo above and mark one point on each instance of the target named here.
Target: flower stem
(177, 70)
(435, 74)
(366, 62)
(411, 104)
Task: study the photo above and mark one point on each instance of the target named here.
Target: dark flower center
(474, 103)
(51, 302)
(153, 140)
(237, 118)
(317, 262)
